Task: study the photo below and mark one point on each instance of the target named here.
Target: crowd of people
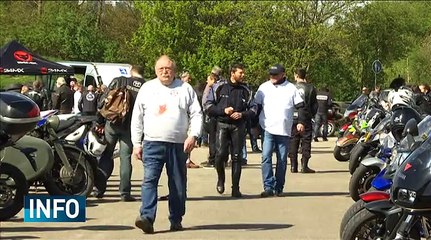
(218, 113)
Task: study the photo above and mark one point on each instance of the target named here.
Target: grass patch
(6, 80)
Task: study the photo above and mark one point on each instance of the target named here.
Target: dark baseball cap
(276, 69)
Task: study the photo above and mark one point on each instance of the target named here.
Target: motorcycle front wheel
(79, 182)
(13, 188)
(352, 211)
(360, 182)
(359, 151)
(364, 225)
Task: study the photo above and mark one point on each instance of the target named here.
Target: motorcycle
(345, 144)
(350, 114)
(384, 219)
(362, 178)
(73, 170)
(368, 144)
(370, 167)
(23, 159)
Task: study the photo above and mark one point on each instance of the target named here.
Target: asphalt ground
(311, 207)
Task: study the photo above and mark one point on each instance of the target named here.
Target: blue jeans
(280, 145)
(113, 134)
(155, 155)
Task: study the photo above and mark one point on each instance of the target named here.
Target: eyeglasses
(161, 69)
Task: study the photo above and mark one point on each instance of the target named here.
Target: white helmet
(94, 144)
(403, 96)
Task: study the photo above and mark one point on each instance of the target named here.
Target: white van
(99, 73)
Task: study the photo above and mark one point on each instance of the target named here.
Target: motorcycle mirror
(411, 128)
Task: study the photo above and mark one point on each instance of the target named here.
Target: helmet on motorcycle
(94, 144)
(402, 97)
(400, 117)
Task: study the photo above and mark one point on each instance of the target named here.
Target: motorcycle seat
(64, 124)
(87, 119)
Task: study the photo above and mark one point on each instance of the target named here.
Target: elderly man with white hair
(63, 97)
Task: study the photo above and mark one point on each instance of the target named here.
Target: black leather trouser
(232, 134)
(305, 140)
(211, 128)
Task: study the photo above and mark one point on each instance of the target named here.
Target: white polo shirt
(278, 104)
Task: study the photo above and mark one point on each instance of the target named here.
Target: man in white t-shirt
(277, 99)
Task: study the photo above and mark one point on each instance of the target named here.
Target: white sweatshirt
(278, 104)
(165, 113)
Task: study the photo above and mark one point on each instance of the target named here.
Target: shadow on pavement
(223, 197)
(227, 196)
(332, 171)
(313, 194)
(47, 229)
(19, 237)
(240, 226)
(322, 151)
(314, 147)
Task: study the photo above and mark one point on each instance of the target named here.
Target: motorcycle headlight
(406, 196)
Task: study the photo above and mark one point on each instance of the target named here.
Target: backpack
(116, 105)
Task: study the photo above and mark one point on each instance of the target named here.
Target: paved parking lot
(311, 208)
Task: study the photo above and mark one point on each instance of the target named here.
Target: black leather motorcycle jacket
(308, 94)
(225, 94)
(324, 102)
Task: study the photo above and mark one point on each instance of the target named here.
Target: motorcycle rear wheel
(13, 188)
(342, 154)
(80, 182)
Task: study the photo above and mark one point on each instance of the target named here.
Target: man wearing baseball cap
(276, 99)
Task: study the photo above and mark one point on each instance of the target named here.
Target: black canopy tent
(15, 59)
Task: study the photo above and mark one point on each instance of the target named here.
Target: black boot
(236, 175)
(305, 168)
(221, 176)
(293, 165)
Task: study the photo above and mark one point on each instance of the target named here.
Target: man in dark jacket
(121, 133)
(210, 123)
(230, 104)
(324, 102)
(63, 97)
(308, 93)
(38, 96)
(88, 102)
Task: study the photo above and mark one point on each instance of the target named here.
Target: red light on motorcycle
(345, 127)
(35, 112)
(352, 115)
(407, 167)
(374, 196)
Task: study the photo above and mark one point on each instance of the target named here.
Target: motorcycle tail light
(352, 115)
(374, 196)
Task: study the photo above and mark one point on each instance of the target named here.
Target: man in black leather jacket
(230, 104)
(308, 93)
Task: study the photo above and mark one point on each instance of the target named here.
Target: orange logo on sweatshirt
(162, 109)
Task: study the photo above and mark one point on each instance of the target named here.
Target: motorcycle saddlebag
(18, 115)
